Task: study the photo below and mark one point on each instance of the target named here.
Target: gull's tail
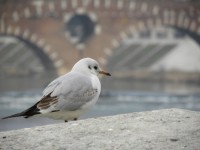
(26, 113)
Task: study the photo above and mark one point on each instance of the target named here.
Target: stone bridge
(58, 32)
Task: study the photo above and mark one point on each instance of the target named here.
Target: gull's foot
(75, 119)
(66, 120)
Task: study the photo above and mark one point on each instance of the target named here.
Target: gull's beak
(104, 73)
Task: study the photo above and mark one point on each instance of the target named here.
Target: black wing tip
(12, 116)
(5, 118)
(21, 115)
(27, 113)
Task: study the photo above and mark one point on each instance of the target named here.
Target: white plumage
(70, 95)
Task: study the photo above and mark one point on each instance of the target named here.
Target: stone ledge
(160, 129)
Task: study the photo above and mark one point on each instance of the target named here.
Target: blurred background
(151, 48)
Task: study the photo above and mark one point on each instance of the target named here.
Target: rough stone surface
(173, 129)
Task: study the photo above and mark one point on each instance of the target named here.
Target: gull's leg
(66, 120)
(75, 119)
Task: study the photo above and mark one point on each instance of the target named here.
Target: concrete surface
(170, 129)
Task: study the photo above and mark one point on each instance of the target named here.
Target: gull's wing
(68, 92)
(50, 88)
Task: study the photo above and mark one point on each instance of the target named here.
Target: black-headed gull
(71, 95)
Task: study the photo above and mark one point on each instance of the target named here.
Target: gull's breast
(97, 86)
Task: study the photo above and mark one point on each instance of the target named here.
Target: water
(110, 103)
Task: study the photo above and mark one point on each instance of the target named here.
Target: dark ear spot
(89, 67)
(95, 67)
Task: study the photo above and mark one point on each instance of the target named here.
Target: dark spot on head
(95, 67)
(174, 139)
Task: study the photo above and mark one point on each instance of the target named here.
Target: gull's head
(89, 66)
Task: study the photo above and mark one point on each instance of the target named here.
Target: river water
(110, 103)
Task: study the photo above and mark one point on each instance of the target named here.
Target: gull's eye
(89, 67)
(95, 67)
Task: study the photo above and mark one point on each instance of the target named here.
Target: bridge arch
(48, 57)
(181, 22)
(131, 15)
